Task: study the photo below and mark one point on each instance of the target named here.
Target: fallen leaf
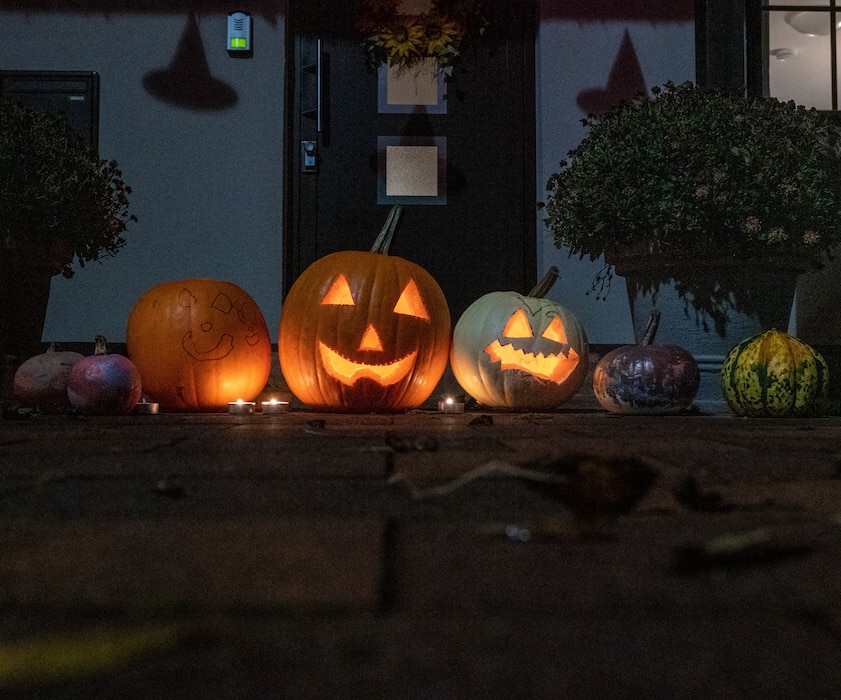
(758, 547)
(690, 494)
(47, 659)
(411, 443)
(598, 486)
(593, 486)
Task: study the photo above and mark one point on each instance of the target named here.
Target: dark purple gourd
(646, 378)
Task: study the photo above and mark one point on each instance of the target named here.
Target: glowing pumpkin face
(517, 351)
(364, 331)
(199, 344)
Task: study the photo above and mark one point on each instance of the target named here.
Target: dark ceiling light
(187, 81)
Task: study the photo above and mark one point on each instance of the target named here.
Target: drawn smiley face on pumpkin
(348, 367)
(201, 343)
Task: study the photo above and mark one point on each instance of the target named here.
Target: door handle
(319, 86)
(321, 70)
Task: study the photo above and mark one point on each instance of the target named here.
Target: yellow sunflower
(443, 35)
(403, 40)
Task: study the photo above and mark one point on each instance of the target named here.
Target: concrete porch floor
(288, 557)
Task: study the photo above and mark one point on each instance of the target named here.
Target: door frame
(525, 38)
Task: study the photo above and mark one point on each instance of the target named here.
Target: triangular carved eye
(518, 326)
(339, 293)
(556, 331)
(410, 302)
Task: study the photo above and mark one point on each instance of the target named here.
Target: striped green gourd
(774, 374)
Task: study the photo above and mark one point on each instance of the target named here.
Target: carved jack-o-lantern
(199, 344)
(364, 331)
(522, 352)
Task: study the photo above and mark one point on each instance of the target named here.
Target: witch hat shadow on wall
(187, 81)
(624, 83)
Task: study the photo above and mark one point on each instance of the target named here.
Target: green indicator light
(237, 42)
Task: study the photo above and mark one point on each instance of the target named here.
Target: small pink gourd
(104, 383)
(41, 381)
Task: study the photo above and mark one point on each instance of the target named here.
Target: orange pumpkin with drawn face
(364, 332)
(199, 344)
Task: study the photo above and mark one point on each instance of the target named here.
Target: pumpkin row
(359, 331)
(371, 332)
(199, 344)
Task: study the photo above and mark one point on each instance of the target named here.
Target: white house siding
(575, 56)
(208, 185)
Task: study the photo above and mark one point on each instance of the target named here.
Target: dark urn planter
(710, 305)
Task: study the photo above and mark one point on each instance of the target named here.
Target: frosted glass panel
(411, 171)
(416, 86)
(420, 88)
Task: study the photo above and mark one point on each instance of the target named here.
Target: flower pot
(25, 291)
(708, 305)
(26, 272)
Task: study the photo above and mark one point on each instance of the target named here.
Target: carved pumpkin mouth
(348, 372)
(554, 367)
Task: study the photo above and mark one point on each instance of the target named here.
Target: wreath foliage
(405, 40)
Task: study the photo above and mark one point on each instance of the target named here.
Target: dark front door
(462, 164)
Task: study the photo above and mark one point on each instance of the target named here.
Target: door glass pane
(799, 64)
(411, 171)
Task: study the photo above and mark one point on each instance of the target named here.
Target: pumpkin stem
(542, 288)
(651, 327)
(383, 242)
(101, 347)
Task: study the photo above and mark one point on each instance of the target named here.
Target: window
(800, 51)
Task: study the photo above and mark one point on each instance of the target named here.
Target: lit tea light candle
(146, 407)
(275, 406)
(451, 404)
(240, 407)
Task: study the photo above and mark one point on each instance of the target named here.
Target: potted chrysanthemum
(60, 205)
(717, 196)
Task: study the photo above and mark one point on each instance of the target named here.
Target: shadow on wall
(187, 81)
(624, 82)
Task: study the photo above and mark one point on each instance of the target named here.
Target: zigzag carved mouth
(554, 368)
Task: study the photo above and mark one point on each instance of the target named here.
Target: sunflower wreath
(404, 40)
